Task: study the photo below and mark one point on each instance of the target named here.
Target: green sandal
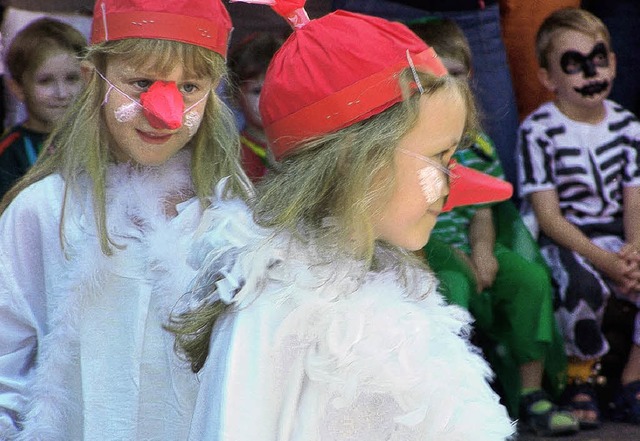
(550, 421)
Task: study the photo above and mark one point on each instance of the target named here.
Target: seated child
(579, 168)
(45, 75)
(248, 62)
(508, 293)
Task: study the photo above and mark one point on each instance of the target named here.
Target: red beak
(470, 187)
(163, 105)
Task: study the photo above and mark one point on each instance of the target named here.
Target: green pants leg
(516, 312)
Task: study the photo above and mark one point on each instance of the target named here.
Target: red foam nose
(162, 105)
(472, 187)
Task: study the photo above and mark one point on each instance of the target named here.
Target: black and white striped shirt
(587, 164)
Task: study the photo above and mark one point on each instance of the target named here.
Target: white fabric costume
(315, 350)
(83, 355)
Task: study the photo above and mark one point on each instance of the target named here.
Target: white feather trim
(389, 365)
(155, 246)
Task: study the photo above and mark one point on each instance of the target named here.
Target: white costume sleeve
(23, 257)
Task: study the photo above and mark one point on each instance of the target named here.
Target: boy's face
(455, 67)
(581, 69)
(50, 90)
(250, 101)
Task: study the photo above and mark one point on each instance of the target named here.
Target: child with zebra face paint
(579, 168)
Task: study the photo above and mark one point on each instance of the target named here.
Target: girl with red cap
(93, 240)
(310, 319)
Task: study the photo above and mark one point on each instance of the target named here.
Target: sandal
(550, 422)
(626, 406)
(575, 389)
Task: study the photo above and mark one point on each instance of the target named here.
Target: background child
(326, 328)
(93, 238)
(44, 67)
(248, 62)
(579, 169)
(507, 292)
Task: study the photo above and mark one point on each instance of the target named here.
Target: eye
(573, 67)
(601, 60)
(141, 84)
(190, 88)
(72, 78)
(44, 81)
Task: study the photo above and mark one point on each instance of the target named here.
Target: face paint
(433, 178)
(192, 121)
(573, 62)
(162, 106)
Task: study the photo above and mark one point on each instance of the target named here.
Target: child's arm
(21, 312)
(631, 217)
(547, 210)
(482, 237)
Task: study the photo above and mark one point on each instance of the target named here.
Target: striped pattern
(453, 227)
(587, 164)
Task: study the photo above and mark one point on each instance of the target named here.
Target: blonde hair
(79, 146)
(567, 19)
(337, 177)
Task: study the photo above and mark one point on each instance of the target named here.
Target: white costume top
(329, 351)
(83, 355)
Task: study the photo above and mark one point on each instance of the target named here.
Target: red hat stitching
(203, 23)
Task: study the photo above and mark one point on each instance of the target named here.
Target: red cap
(203, 23)
(335, 71)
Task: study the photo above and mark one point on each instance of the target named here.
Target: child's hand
(485, 267)
(624, 269)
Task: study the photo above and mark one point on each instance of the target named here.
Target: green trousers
(516, 313)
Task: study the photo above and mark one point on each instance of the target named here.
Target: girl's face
(581, 70)
(132, 138)
(50, 90)
(407, 217)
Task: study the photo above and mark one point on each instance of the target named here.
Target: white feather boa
(388, 360)
(155, 247)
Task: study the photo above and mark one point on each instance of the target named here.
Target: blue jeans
(491, 79)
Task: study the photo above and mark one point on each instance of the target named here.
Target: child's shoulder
(545, 115)
(45, 193)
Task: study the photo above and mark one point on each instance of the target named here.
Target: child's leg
(525, 324)
(581, 296)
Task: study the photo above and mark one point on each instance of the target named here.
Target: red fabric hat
(334, 71)
(203, 23)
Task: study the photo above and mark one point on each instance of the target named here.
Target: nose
(62, 89)
(163, 105)
(589, 69)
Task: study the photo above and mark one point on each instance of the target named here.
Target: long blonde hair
(330, 177)
(79, 146)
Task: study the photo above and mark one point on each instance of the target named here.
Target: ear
(15, 88)
(87, 69)
(545, 79)
(613, 63)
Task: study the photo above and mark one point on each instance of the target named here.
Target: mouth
(154, 138)
(592, 88)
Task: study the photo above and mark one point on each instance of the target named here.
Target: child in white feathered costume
(309, 318)
(93, 241)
